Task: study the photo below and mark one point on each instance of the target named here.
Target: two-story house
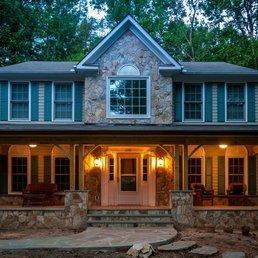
(129, 123)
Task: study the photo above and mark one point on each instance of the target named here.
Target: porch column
(185, 173)
(81, 167)
(72, 167)
(176, 180)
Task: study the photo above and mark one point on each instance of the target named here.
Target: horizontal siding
(41, 102)
(214, 104)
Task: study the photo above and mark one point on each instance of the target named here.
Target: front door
(129, 179)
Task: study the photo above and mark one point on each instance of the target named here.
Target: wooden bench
(39, 193)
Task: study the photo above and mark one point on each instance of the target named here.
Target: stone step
(131, 219)
(136, 223)
(131, 215)
(130, 212)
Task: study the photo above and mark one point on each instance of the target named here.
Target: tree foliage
(190, 30)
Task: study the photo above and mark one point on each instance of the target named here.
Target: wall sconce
(160, 162)
(223, 146)
(97, 162)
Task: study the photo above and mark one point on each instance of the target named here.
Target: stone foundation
(184, 213)
(71, 216)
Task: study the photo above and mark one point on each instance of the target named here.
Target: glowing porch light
(97, 162)
(160, 162)
(33, 145)
(223, 146)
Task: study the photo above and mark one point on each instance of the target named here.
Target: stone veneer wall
(184, 213)
(128, 50)
(71, 216)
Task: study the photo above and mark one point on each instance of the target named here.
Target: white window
(62, 173)
(63, 101)
(19, 101)
(128, 97)
(194, 171)
(193, 101)
(19, 172)
(235, 170)
(236, 102)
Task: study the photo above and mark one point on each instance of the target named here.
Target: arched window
(128, 69)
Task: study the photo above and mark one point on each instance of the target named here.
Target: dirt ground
(222, 241)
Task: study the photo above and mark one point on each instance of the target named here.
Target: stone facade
(71, 216)
(128, 50)
(229, 217)
(182, 206)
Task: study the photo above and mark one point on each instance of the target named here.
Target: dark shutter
(208, 172)
(4, 101)
(252, 175)
(34, 101)
(221, 175)
(208, 102)
(34, 169)
(221, 102)
(47, 169)
(3, 174)
(78, 93)
(48, 101)
(251, 102)
(177, 87)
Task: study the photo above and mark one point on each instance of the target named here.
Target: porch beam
(81, 167)
(185, 173)
(72, 167)
(176, 182)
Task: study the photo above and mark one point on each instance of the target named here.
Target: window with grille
(128, 97)
(19, 101)
(194, 171)
(145, 170)
(236, 103)
(62, 173)
(63, 101)
(193, 103)
(235, 170)
(19, 173)
(111, 164)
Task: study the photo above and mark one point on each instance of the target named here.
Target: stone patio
(96, 239)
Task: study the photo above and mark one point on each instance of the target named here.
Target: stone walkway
(96, 239)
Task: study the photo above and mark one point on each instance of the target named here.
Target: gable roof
(128, 24)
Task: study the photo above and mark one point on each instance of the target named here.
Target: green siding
(4, 101)
(252, 175)
(208, 172)
(34, 169)
(177, 87)
(251, 102)
(34, 101)
(48, 101)
(3, 174)
(208, 102)
(78, 93)
(221, 175)
(47, 169)
(221, 102)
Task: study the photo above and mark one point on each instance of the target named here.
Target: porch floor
(128, 207)
(227, 207)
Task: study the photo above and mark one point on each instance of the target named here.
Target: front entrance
(129, 179)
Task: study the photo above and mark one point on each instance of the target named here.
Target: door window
(128, 174)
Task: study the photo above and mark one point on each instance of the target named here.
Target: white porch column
(185, 166)
(81, 167)
(72, 167)
(176, 178)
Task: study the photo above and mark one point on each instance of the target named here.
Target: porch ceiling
(128, 134)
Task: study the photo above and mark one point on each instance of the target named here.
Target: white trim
(53, 100)
(203, 103)
(246, 103)
(148, 96)
(10, 168)
(9, 101)
(134, 27)
(137, 71)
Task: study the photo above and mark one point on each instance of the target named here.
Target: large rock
(205, 250)
(178, 246)
(233, 255)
